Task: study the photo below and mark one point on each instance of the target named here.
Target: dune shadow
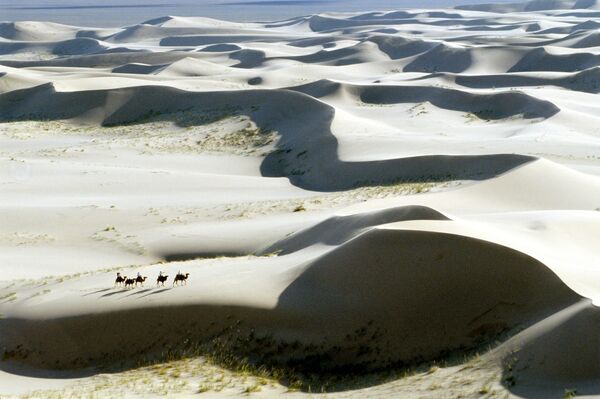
(561, 361)
(344, 341)
(338, 229)
(541, 59)
(487, 106)
(307, 151)
(20, 369)
(386, 300)
(228, 334)
(587, 81)
(323, 23)
(182, 256)
(441, 58)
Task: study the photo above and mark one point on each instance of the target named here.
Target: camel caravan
(126, 282)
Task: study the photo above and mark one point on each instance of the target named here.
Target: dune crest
(388, 203)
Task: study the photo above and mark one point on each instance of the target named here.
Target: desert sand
(386, 204)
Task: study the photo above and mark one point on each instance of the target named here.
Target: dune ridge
(402, 202)
(394, 279)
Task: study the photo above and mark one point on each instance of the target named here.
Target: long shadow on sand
(448, 305)
(138, 292)
(97, 291)
(122, 291)
(307, 151)
(156, 292)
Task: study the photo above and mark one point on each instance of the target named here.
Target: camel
(181, 278)
(120, 280)
(129, 282)
(140, 280)
(161, 279)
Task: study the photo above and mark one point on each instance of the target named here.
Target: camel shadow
(160, 291)
(115, 293)
(138, 292)
(97, 291)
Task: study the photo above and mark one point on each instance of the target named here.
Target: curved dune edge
(502, 253)
(557, 352)
(422, 295)
(306, 151)
(410, 282)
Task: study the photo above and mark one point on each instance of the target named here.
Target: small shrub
(300, 208)
(252, 388)
(511, 380)
(11, 296)
(570, 393)
(203, 388)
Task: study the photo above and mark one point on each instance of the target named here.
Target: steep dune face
(494, 106)
(400, 47)
(535, 5)
(349, 193)
(588, 40)
(441, 58)
(339, 229)
(586, 81)
(132, 105)
(416, 294)
(302, 123)
(561, 349)
(36, 31)
(444, 292)
(78, 46)
(542, 60)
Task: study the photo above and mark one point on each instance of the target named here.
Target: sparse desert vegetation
(374, 204)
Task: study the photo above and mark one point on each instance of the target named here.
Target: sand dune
(535, 5)
(586, 81)
(570, 331)
(36, 31)
(462, 303)
(492, 106)
(354, 196)
(541, 59)
(276, 110)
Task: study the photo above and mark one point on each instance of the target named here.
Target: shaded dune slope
(442, 58)
(586, 81)
(407, 296)
(80, 46)
(534, 5)
(457, 54)
(307, 150)
(438, 292)
(339, 229)
(384, 283)
(397, 47)
(485, 106)
(542, 60)
(557, 352)
(36, 31)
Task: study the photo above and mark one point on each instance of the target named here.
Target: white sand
(384, 190)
